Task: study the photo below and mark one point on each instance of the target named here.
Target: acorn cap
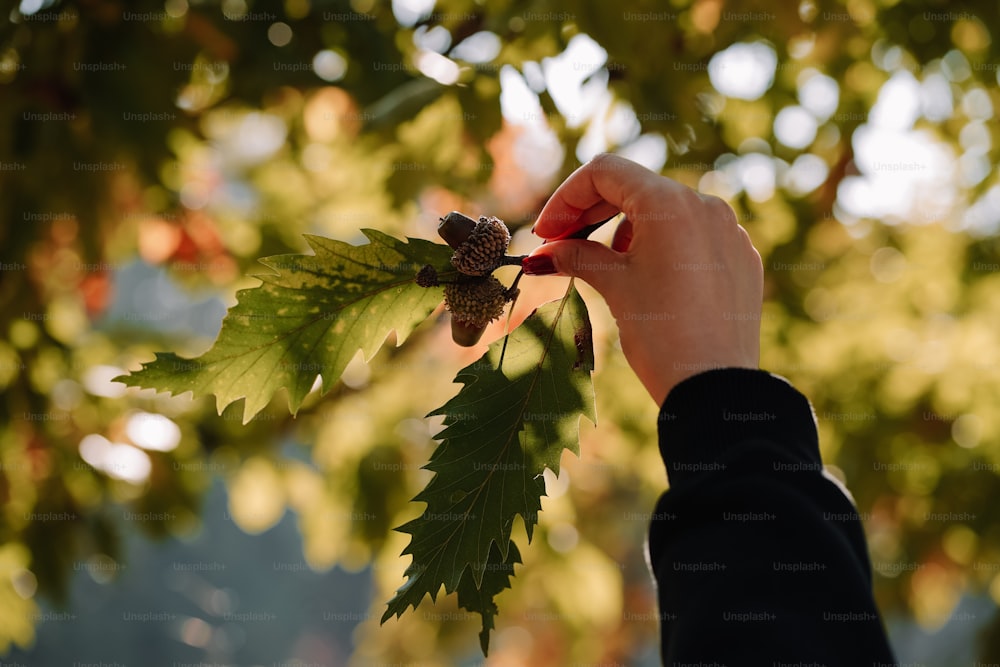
(456, 228)
(485, 248)
(427, 276)
(475, 302)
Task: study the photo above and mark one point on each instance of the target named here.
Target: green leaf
(495, 579)
(502, 430)
(308, 318)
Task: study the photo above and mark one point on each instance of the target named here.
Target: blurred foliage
(151, 151)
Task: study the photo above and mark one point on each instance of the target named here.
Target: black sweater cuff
(708, 415)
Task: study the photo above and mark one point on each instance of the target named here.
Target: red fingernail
(538, 265)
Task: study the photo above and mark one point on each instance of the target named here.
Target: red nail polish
(538, 265)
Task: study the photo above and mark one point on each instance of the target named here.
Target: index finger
(597, 190)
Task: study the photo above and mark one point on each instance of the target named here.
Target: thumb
(593, 262)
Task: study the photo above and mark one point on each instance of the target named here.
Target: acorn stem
(512, 260)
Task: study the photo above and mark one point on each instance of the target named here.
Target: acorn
(473, 305)
(455, 228)
(465, 334)
(485, 248)
(480, 247)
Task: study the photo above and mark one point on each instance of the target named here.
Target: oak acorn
(465, 334)
(455, 228)
(475, 298)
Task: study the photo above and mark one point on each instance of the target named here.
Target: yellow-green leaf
(307, 318)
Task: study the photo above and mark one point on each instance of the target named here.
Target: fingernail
(538, 265)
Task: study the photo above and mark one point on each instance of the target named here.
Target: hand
(681, 277)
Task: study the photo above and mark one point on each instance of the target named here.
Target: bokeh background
(151, 151)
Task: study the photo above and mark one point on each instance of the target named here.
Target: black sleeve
(759, 556)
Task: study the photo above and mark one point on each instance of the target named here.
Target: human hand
(681, 277)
